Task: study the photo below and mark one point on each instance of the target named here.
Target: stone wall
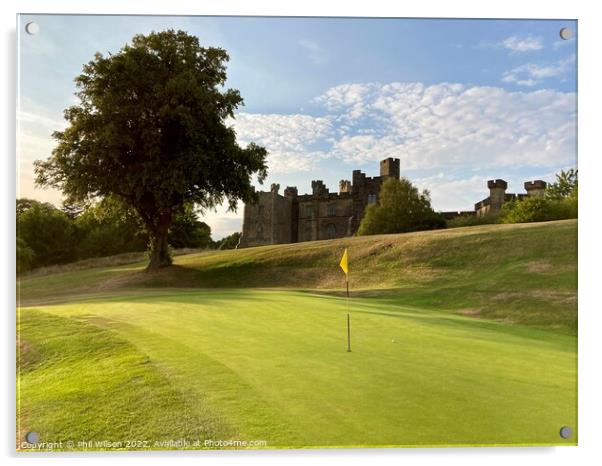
(268, 221)
(324, 218)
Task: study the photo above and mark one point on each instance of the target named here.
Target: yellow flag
(344, 264)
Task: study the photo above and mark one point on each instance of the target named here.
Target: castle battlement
(537, 184)
(498, 195)
(295, 217)
(497, 184)
(320, 215)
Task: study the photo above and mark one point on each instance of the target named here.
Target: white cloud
(427, 127)
(516, 44)
(292, 140)
(562, 42)
(448, 194)
(451, 125)
(531, 74)
(444, 126)
(523, 44)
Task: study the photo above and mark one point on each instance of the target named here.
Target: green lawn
(441, 354)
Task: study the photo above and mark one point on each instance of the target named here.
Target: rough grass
(523, 274)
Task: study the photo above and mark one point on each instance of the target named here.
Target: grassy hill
(518, 274)
(459, 337)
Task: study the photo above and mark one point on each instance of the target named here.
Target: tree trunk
(159, 249)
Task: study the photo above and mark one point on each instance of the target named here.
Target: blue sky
(458, 101)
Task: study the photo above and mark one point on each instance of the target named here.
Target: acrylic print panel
(378, 249)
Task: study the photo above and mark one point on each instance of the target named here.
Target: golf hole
(566, 432)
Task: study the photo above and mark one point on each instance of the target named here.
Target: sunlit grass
(463, 337)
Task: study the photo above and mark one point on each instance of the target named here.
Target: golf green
(271, 368)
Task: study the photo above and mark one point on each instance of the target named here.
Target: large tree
(151, 128)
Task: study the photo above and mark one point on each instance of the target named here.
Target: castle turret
(275, 188)
(390, 168)
(290, 192)
(497, 194)
(318, 188)
(344, 186)
(358, 178)
(536, 188)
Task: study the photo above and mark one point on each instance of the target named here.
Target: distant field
(460, 337)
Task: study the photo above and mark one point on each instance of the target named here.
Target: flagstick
(348, 323)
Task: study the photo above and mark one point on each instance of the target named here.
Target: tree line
(47, 235)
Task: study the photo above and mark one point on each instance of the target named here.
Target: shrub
(401, 208)
(47, 232)
(538, 209)
(26, 257)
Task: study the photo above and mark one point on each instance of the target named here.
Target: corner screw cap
(565, 33)
(32, 437)
(32, 28)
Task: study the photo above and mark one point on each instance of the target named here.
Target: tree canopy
(150, 128)
(566, 185)
(400, 208)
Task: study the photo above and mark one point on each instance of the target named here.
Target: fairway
(272, 366)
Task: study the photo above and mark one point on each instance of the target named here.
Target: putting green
(272, 365)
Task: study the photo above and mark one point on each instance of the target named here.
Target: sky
(457, 101)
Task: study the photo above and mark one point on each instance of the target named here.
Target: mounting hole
(32, 437)
(32, 28)
(566, 33)
(566, 432)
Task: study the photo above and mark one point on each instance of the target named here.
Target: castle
(498, 195)
(294, 217)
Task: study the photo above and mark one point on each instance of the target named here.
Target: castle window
(309, 211)
(371, 198)
(331, 231)
(332, 210)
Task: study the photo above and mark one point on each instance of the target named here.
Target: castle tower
(358, 180)
(318, 188)
(536, 188)
(290, 192)
(497, 194)
(344, 186)
(389, 168)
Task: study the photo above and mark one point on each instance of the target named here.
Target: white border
(590, 132)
